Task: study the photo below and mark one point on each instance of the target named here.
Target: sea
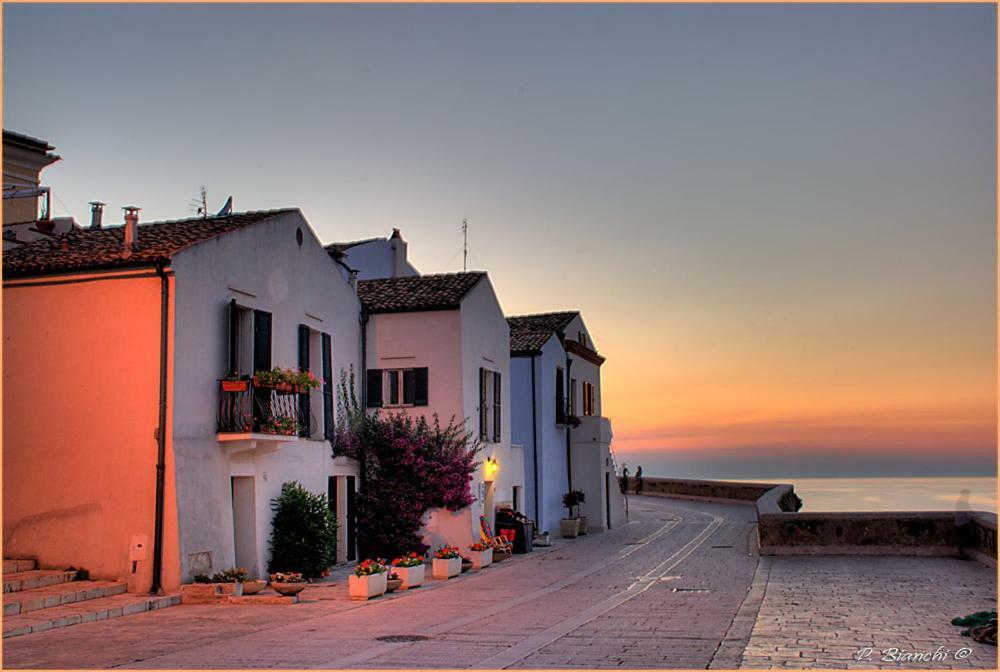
(905, 493)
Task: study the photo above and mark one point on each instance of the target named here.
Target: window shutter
(305, 414)
(409, 386)
(420, 387)
(328, 422)
(483, 429)
(233, 346)
(497, 411)
(560, 398)
(261, 340)
(373, 388)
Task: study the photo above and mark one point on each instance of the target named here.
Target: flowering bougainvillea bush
(407, 466)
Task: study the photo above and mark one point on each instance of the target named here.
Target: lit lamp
(491, 468)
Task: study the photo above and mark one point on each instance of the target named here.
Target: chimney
(96, 214)
(353, 282)
(131, 228)
(398, 246)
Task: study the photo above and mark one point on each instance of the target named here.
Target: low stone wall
(782, 531)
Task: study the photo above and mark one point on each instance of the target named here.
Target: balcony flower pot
(368, 586)
(235, 385)
(446, 568)
(253, 587)
(481, 559)
(569, 527)
(412, 577)
(583, 525)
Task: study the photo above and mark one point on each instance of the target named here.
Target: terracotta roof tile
(528, 342)
(87, 249)
(547, 322)
(443, 291)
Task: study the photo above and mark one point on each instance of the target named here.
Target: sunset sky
(779, 222)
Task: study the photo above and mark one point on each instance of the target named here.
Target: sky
(779, 222)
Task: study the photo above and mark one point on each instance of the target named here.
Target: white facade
(224, 487)
(454, 345)
(374, 258)
(564, 370)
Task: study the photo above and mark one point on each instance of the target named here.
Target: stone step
(85, 612)
(36, 578)
(13, 565)
(59, 594)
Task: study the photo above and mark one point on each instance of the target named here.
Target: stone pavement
(677, 587)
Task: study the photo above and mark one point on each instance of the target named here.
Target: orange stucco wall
(80, 408)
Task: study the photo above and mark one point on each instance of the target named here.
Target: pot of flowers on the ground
(253, 586)
(288, 583)
(368, 581)
(570, 527)
(481, 555)
(410, 569)
(393, 582)
(447, 563)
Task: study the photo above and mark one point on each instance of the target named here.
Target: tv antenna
(465, 244)
(200, 204)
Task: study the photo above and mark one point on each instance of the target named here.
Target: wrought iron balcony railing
(246, 405)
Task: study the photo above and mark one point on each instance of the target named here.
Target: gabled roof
(550, 322)
(88, 249)
(528, 342)
(337, 250)
(443, 291)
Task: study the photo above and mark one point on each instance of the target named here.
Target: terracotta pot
(235, 385)
(253, 587)
(392, 584)
(289, 588)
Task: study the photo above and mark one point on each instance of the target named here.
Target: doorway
(341, 500)
(607, 498)
(245, 524)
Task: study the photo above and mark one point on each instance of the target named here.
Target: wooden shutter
(497, 411)
(409, 386)
(483, 429)
(420, 387)
(305, 414)
(373, 388)
(560, 397)
(233, 345)
(261, 340)
(329, 430)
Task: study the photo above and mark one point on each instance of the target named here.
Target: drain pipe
(534, 437)
(569, 451)
(161, 434)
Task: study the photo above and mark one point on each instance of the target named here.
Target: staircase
(42, 599)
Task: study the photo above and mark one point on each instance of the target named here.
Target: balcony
(257, 417)
(591, 429)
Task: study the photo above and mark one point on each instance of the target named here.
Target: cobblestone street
(678, 587)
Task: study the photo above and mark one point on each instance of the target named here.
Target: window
(560, 397)
(490, 411)
(572, 396)
(588, 399)
(396, 387)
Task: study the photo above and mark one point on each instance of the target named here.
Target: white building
(140, 324)
(556, 388)
(373, 258)
(439, 344)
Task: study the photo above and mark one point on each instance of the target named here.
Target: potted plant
(286, 425)
(410, 569)
(393, 582)
(234, 383)
(368, 581)
(447, 563)
(570, 527)
(216, 588)
(288, 583)
(481, 555)
(582, 497)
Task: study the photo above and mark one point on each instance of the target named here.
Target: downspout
(534, 437)
(569, 455)
(161, 434)
(363, 400)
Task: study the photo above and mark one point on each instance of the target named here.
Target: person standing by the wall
(624, 482)
(638, 480)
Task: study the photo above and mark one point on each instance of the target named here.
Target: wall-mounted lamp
(491, 467)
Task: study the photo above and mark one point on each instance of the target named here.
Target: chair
(499, 544)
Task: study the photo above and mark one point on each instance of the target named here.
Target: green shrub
(304, 532)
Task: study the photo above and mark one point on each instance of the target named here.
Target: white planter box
(481, 559)
(411, 576)
(367, 587)
(569, 527)
(445, 569)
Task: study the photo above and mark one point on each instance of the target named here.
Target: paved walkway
(678, 587)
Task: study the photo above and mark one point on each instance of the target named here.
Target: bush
(304, 532)
(407, 467)
(573, 498)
